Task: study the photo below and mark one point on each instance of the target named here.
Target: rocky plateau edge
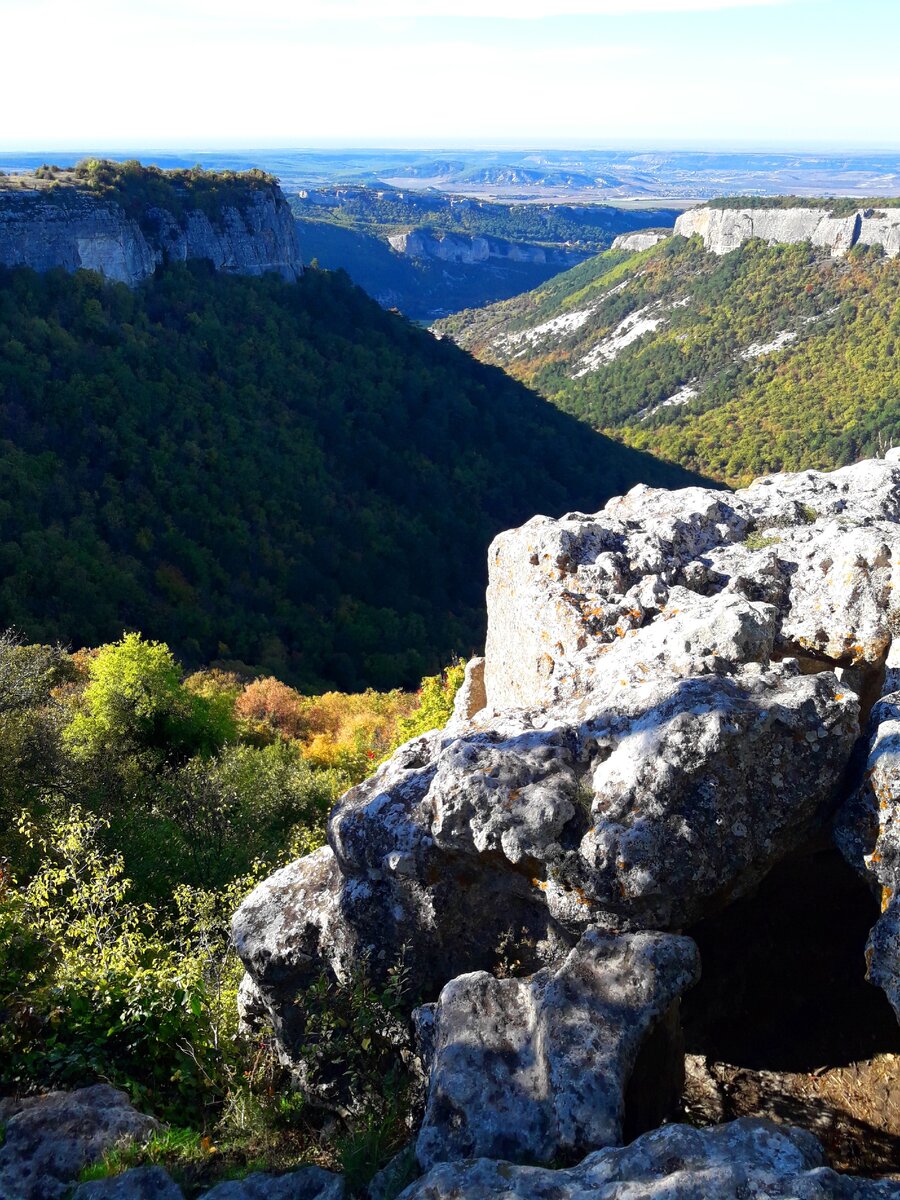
(673, 700)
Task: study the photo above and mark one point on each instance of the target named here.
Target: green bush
(98, 986)
(135, 703)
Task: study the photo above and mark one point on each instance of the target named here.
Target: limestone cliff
(724, 229)
(460, 248)
(641, 239)
(74, 228)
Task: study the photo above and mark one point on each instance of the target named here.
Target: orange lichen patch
(838, 695)
(887, 895)
(540, 883)
(580, 897)
(514, 795)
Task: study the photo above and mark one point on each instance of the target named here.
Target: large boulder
(645, 810)
(737, 1161)
(670, 696)
(536, 1069)
(50, 1138)
(140, 1183)
(820, 548)
(309, 1183)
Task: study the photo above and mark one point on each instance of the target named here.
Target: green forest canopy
(265, 474)
(826, 396)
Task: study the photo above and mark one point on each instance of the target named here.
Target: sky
(107, 74)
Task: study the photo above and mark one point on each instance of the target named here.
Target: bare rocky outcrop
(672, 693)
(724, 229)
(463, 248)
(641, 239)
(309, 1183)
(49, 1138)
(153, 1183)
(74, 229)
(745, 1158)
(536, 1069)
(869, 834)
(140, 1183)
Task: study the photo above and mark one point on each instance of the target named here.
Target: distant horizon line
(372, 147)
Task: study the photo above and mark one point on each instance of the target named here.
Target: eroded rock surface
(536, 1069)
(746, 1158)
(724, 229)
(140, 1183)
(668, 707)
(49, 1138)
(76, 229)
(309, 1183)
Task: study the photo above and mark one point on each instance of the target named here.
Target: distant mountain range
(768, 357)
(586, 175)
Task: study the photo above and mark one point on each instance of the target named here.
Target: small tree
(135, 702)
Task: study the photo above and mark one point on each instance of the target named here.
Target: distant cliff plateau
(430, 254)
(124, 220)
(834, 225)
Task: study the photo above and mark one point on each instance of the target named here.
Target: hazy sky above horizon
(106, 74)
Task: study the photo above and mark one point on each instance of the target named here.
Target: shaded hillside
(422, 288)
(279, 475)
(768, 358)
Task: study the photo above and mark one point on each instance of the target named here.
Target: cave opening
(783, 986)
(783, 1022)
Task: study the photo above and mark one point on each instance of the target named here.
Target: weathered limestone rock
(77, 229)
(822, 549)
(390, 1181)
(671, 692)
(868, 832)
(536, 1069)
(724, 229)
(743, 1159)
(140, 1183)
(49, 1138)
(471, 697)
(309, 1183)
(641, 239)
(463, 248)
(153, 1183)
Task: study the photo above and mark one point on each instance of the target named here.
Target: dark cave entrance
(783, 986)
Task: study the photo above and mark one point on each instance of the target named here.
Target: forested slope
(769, 358)
(270, 474)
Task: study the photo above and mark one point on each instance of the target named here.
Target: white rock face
(724, 229)
(629, 330)
(640, 240)
(461, 248)
(78, 230)
(578, 602)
